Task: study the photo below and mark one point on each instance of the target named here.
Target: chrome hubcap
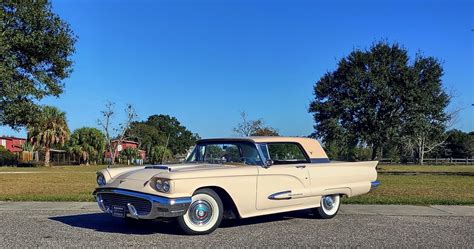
(328, 202)
(200, 212)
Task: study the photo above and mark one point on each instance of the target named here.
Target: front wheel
(329, 207)
(204, 214)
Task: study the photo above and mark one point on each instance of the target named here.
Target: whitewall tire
(204, 214)
(329, 206)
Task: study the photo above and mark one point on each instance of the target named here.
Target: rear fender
(338, 191)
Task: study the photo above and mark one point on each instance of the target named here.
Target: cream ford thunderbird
(235, 177)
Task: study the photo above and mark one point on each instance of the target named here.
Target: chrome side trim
(164, 167)
(374, 185)
(284, 195)
(161, 206)
(320, 160)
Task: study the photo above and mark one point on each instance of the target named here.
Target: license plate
(118, 211)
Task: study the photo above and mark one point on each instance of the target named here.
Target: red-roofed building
(125, 144)
(12, 144)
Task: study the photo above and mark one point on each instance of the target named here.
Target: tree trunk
(422, 157)
(47, 151)
(374, 152)
(112, 154)
(421, 153)
(86, 157)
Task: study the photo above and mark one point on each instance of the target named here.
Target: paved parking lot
(82, 225)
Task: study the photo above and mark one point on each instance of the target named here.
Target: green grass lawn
(76, 183)
(61, 169)
(65, 183)
(420, 190)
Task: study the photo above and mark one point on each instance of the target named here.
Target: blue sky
(206, 61)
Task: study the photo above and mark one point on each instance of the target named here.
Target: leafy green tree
(162, 130)
(159, 154)
(358, 103)
(375, 98)
(458, 144)
(344, 153)
(146, 135)
(35, 50)
(180, 138)
(50, 128)
(88, 143)
(265, 132)
(424, 102)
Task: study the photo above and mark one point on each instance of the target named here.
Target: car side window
(284, 153)
(221, 153)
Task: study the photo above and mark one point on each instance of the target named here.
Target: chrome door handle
(301, 166)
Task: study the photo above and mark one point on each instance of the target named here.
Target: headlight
(166, 186)
(158, 185)
(101, 180)
(162, 185)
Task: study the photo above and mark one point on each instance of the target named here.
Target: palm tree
(129, 154)
(50, 128)
(80, 151)
(88, 143)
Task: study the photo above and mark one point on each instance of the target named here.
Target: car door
(286, 182)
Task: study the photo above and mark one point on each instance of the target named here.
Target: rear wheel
(204, 214)
(329, 207)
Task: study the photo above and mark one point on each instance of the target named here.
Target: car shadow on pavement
(105, 223)
(302, 214)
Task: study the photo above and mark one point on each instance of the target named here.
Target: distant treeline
(458, 145)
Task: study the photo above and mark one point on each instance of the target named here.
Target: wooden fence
(433, 161)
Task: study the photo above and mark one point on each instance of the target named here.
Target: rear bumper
(160, 206)
(374, 185)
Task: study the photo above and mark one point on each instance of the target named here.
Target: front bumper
(160, 206)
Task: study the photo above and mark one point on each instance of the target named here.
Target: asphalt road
(81, 225)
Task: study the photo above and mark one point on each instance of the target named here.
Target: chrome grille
(142, 206)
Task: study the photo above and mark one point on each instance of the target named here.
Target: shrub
(7, 158)
(361, 154)
(159, 154)
(29, 164)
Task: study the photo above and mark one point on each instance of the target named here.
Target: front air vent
(142, 206)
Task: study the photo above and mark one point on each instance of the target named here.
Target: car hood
(147, 172)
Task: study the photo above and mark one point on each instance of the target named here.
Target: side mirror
(268, 163)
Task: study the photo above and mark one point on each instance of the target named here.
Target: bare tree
(426, 142)
(256, 127)
(247, 127)
(106, 124)
(433, 136)
(112, 133)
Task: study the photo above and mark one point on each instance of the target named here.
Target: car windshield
(225, 153)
